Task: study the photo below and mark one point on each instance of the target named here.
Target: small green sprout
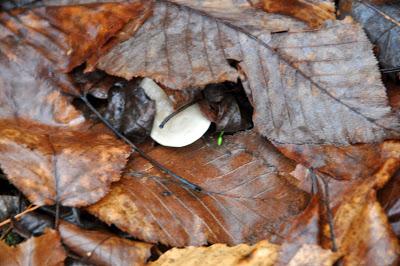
(220, 138)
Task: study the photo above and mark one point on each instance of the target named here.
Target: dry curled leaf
(101, 248)
(263, 253)
(247, 194)
(307, 86)
(45, 250)
(359, 218)
(315, 13)
(382, 23)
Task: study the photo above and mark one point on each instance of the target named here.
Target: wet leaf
(389, 197)
(130, 111)
(45, 250)
(247, 194)
(306, 86)
(47, 149)
(382, 24)
(8, 206)
(102, 248)
(359, 218)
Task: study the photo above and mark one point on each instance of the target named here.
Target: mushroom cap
(182, 129)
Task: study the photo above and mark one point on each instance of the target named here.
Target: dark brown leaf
(363, 233)
(382, 24)
(47, 149)
(307, 86)
(247, 194)
(101, 248)
(389, 197)
(45, 250)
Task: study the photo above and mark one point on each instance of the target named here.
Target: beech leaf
(248, 195)
(382, 24)
(45, 250)
(101, 248)
(307, 86)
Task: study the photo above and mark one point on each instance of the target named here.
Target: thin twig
(28, 210)
(177, 111)
(390, 70)
(138, 150)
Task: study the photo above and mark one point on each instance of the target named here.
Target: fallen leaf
(263, 253)
(306, 86)
(45, 250)
(359, 218)
(48, 150)
(61, 33)
(389, 198)
(315, 13)
(130, 110)
(101, 248)
(247, 194)
(8, 206)
(382, 24)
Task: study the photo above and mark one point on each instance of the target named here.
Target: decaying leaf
(263, 253)
(306, 86)
(101, 248)
(389, 197)
(8, 206)
(247, 194)
(359, 218)
(315, 13)
(382, 23)
(220, 254)
(47, 149)
(45, 250)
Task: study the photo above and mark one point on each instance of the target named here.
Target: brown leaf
(303, 231)
(363, 234)
(60, 165)
(101, 248)
(47, 149)
(247, 194)
(68, 35)
(389, 197)
(45, 250)
(315, 13)
(263, 253)
(382, 24)
(305, 85)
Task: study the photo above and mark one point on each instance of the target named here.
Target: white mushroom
(182, 129)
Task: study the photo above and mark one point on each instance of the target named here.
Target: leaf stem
(28, 210)
(140, 151)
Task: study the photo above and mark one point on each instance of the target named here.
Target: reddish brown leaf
(304, 231)
(305, 85)
(389, 197)
(101, 248)
(247, 194)
(68, 35)
(363, 234)
(315, 13)
(45, 250)
(47, 149)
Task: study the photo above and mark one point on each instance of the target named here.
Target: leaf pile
(307, 172)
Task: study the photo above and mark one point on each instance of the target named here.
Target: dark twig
(390, 70)
(328, 209)
(177, 111)
(138, 150)
(57, 216)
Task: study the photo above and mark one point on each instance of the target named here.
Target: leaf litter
(300, 186)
